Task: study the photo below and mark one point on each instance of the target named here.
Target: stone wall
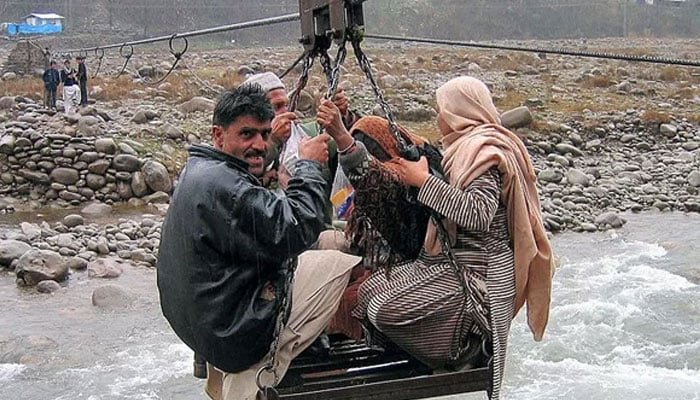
(26, 58)
(48, 164)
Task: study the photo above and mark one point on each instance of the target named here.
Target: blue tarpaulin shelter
(37, 24)
(26, 29)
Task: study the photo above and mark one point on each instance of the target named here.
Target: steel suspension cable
(208, 31)
(565, 52)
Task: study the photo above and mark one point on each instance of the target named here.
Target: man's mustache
(254, 153)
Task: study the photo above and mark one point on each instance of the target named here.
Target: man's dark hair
(248, 99)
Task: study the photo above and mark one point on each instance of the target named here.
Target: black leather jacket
(224, 237)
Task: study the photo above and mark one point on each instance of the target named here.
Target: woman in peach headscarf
(493, 221)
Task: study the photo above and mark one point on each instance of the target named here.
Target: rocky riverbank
(606, 138)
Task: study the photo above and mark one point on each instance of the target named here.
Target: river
(625, 324)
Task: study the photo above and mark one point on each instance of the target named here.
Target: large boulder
(516, 118)
(156, 176)
(126, 162)
(11, 250)
(65, 176)
(40, 265)
(195, 104)
(612, 219)
(112, 297)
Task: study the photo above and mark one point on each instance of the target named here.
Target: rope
(559, 51)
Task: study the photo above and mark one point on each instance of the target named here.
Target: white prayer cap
(267, 80)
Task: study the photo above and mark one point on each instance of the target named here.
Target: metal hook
(100, 54)
(172, 50)
(177, 54)
(126, 56)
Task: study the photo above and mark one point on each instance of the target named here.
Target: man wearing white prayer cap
(282, 130)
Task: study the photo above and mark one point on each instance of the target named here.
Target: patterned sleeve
(356, 163)
(472, 208)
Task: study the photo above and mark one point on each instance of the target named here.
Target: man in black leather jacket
(225, 241)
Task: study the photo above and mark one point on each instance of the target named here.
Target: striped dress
(420, 305)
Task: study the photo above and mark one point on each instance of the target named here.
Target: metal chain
(326, 65)
(308, 61)
(366, 67)
(285, 303)
(100, 55)
(334, 79)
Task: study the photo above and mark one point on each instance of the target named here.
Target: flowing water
(625, 324)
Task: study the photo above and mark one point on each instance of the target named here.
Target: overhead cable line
(565, 52)
(201, 32)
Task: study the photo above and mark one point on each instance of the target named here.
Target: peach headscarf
(477, 143)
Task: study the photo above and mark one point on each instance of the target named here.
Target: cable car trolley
(355, 370)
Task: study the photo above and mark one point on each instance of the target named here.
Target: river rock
(550, 175)
(612, 219)
(694, 179)
(140, 117)
(32, 231)
(7, 144)
(7, 103)
(35, 176)
(138, 184)
(88, 125)
(126, 162)
(47, 286)
(156, 176)
(668, 130)
(157, 198)
(105, 268)
(97, 209)
(576, 177)
(77, 263)
(564, 149)
(99, 167)
(65, 176)
(201, 104)
(73, 220)
(95, 182)
(516, 118)
(38, 265)
(112, 297)
(26, 349)
(106, 145)
(11, 250)
(172, 132)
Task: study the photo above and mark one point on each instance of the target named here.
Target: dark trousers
(49, 97)
(83, 93)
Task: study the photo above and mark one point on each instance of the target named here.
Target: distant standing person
(51, 81)
(71, 91)
(82, 79)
